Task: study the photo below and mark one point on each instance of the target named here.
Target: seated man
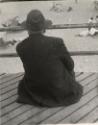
(49, 78)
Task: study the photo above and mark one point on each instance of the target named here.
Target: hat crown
(35, 20)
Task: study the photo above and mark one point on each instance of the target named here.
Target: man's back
(48, 67)
(48, 79)
(41, 57)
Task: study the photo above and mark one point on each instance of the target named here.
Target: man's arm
(65, 56)
(20, 48)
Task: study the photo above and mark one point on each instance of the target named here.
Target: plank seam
(17, 82)
(78, 108)
(31, 116)
(11, 79)
(7, 104)
(11, 102)
(90, 81)
(64, 107)
(87, 77)
(10, 84)
(23, 113)
(18, 106)
(86, 114)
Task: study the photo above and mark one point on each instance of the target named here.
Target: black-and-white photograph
(48, 62)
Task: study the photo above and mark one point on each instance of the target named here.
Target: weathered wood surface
(12, 113)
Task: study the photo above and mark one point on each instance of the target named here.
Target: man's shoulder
(55, 39)
(24, 41)
(21, 44)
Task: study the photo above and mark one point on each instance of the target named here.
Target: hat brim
(48, 24)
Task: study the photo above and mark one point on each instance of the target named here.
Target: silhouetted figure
(49, 78)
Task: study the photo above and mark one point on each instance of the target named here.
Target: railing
(72, 53)
(57, 26)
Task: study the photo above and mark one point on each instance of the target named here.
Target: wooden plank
(20, 118)
(11, 99)
(42, 115)
(21, 113)
(84, 76)
(90, 86)
(9, 83)
(78, 74)
(90, 79)
(47, 113)
(90, 117)
(12, 106)
(9, 94)
(68, 110)
(8, 101)
(9, 108)
(9, 77)
(27, 124)
(27, 113)
(6, 77)
(74, 117)
(10, 88)
(2, 77)
(15, 113)
(58, 116)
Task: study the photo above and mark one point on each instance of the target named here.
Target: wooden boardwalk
(12, 113)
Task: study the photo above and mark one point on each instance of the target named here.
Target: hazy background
(80, 13)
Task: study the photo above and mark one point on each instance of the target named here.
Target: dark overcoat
(49, 77)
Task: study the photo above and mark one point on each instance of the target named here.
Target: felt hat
(35, 21)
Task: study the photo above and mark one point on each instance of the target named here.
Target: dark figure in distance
(49, 78)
